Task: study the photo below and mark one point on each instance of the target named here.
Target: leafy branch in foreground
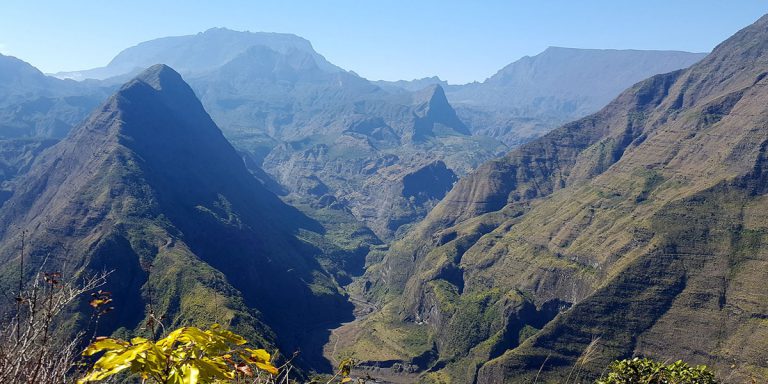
(190, 355)
(187, 355)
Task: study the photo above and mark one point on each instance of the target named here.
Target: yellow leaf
(267, 367)
(187, 355)
(259, 355)
(346, 380)
(104, 345)
(191, 374)
(166, 342)
(97, 302)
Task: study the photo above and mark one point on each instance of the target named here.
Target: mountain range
(315, 127)
(198, 53)
(636, 231)
(274, 192)
(37, 110)
(533, 95)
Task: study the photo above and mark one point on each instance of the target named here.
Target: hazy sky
(460, 41)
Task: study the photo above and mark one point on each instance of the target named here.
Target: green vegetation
(647, 371)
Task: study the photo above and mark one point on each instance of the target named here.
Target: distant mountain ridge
(36, 111)
(33, 105)
(534, 94)
(578, 81)
(199, 53)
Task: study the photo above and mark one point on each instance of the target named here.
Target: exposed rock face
(148, 178)
(640, 225)
(378, 187)
(398, 196)
(431, 182)
(434, 114)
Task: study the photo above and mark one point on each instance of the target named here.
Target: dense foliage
(187, 355)
(647, 371)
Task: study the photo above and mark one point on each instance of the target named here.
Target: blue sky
(460, 41)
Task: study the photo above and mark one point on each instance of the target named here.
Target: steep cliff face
(148, 187)
(398, 196)
(380, 188)
(638, 226)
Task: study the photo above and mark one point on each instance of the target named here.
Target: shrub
(647, 371)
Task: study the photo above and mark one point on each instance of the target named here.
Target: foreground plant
(647, 371)
(187, 355)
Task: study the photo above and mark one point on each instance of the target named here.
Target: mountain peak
(161, 86)
(217, 29)
(431, 96)
(148, 168)
(12, 68)
(432, 107)
(160, 76)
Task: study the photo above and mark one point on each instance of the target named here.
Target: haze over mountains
(328, 135)
(265, 188)
(197, 53)
(527, 98)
